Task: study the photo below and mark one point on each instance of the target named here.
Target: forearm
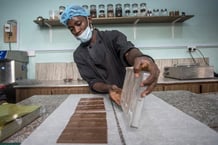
(101, 87)
(133, 53)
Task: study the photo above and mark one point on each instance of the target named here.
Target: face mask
(86, 35)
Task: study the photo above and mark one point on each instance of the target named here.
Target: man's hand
(144, 63)
(115, 94)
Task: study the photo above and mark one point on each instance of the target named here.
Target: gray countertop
(49, 83)
(203, 107)
(82, 83)
(163, 80)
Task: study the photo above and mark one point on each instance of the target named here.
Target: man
(103, 55)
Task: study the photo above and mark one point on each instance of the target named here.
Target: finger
(148, 90)
(138, 67)
(149, 80)
(116, 100)
(153, 77)
(115, 97)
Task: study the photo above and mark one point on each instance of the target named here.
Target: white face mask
(86, 35)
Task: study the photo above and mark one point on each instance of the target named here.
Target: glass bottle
(149, 13)
(177, 13)
(118, 11)
(165, 12)
(86, 7)
(135, 9)
(61, 9)
(127, 9)
(110, 10)
(156, 12)
(101, 9)
(93, 12)
(143, 9)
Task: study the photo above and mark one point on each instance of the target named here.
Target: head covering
(72, 11)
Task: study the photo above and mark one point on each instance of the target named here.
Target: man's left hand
(144, 63)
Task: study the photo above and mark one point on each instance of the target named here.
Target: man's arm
(133, 53)
(101, 87)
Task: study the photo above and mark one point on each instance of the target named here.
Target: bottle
(135, 9)
(86, 7)
(110, 10)
(93, 12)
(127, 9)
(177, 13)
(61, 9)
(156, 12)
(118, 11)
(165, 13)
(143, 9)
(101, 8)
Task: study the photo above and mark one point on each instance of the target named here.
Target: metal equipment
(13, 67)
(185, 72)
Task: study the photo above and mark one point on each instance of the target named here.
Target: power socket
(11, 36)
(191, 48)
(7, 28)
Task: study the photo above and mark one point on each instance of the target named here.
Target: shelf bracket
(176, 20)
(136, 21)
(173, 27)
(173, 30)
(50, 32)
(134, 28)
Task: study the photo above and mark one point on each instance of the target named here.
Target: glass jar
(149, 13)
(93, 12)
(101, 9)
(135, 9)
(171, 13)
(110, 10)
(86, 7)
(176, 13)
(143, 9)
(127, 9)
(119, 10)
(156, 12)
(165, 12)
(61, 9)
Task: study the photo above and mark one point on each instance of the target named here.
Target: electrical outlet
(191, 48)
(31, 53)
(7, 28)
(11, 36)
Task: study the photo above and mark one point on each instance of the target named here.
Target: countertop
(203, 107)
(82, 83)
(49, 83)
(163, 80)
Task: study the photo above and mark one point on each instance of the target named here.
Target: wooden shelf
(124, 20)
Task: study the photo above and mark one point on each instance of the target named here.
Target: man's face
(77, 25)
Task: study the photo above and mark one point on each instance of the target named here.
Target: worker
(102, 56)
